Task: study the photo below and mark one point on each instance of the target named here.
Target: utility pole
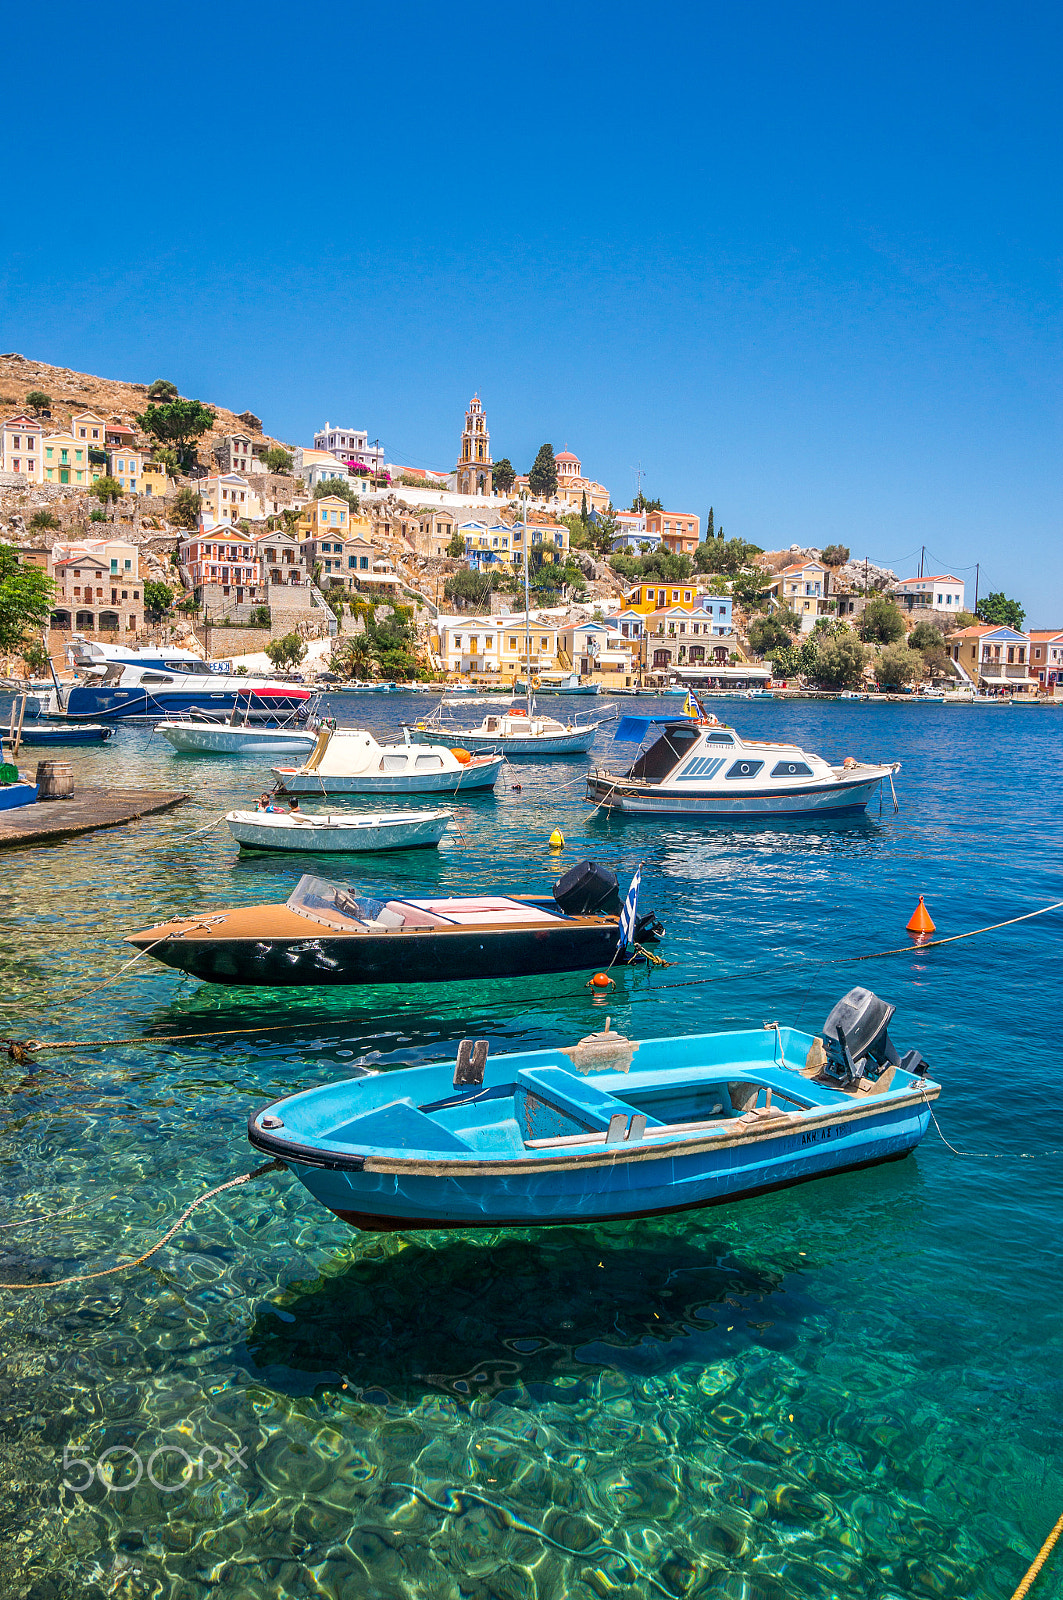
(922, 558)
(977, 573)
(865, 577)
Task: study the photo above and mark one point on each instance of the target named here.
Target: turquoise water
(850, 1388)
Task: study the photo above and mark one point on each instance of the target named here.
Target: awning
(632, 730)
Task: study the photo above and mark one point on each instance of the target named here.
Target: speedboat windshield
(665, 754)
(317, 897)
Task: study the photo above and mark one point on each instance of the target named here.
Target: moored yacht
(116, 681)
(704, 769)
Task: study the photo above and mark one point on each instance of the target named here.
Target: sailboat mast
(527, 614)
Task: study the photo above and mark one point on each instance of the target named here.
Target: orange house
(679, 530)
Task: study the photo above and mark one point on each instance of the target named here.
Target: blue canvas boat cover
(634, 729)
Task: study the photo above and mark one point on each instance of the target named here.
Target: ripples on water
(850, 1388)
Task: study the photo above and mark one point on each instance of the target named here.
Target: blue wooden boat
(606, 1129)
(59, 732)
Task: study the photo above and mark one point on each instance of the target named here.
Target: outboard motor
(588, 889)
(857, 1043)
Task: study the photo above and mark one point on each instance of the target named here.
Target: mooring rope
(874, 955)
(1042, 1556)
(125, 1266)
(988, 1155)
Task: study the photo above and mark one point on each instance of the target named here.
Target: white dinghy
(350, 761)
(377, 830)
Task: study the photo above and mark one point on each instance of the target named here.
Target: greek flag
(628, 914)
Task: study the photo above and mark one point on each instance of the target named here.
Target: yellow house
(154, 480)
(656, 595)
(327, 517)
(89, 429)
(127, 466)
(66, 459)
(551, 538)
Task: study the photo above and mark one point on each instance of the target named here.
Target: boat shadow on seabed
(518, 1312)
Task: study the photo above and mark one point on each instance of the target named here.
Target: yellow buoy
(557, 840)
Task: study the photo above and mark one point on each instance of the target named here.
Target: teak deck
(87, 810)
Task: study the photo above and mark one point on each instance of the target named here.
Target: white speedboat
(514, 731)
(146, 685)
(350, 761)
(378, 830)
(703, 769)
(195, 737)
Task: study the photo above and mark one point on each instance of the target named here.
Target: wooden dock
(87, 810)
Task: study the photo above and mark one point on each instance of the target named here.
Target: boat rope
(988, 1155)
(125, 1266)
(874, 955)
(1042, 1556)
(457, 1508)
(652, 958)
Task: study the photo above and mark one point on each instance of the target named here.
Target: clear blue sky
(801, 261)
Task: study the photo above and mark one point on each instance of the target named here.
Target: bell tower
(474, 464)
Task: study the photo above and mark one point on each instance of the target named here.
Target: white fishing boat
(350, 761)
(514, 731)
(548, 682)
(377, 830)
(703, 769)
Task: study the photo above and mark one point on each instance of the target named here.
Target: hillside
(111, 398)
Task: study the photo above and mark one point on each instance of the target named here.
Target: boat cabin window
(791, 769)
(665, 754)
(154, 677)
(428, 763)
(744, 769)
(720, 738)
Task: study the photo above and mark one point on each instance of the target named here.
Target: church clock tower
(474, 464)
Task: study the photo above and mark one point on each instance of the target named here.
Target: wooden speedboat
(326, 933)
(514, 731)
(285, 830)
(607, 1129)
(350, 761)
(704, 769)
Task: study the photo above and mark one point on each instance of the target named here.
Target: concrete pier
(89, 809)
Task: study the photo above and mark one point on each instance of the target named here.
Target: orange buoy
(921, 925)
(601, 980)
(461, 756)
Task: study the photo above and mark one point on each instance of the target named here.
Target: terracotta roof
(1045, 633)
(940, 577)
(566, 455)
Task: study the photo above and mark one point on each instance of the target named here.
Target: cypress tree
(583, 507)
(542, 479)
(710, 528)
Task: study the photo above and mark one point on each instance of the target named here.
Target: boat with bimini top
(704, 769)
(604, 1130)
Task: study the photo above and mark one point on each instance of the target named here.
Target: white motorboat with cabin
(350, 761)
(705, 769)
(547, 682)
(516, 731)
(376, 830)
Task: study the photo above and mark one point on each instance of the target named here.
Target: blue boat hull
(378, 1203)
(17, 794)
(63, 733)
(88, 702)
(465, 1178)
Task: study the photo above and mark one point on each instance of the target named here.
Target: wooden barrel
(55, 780)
